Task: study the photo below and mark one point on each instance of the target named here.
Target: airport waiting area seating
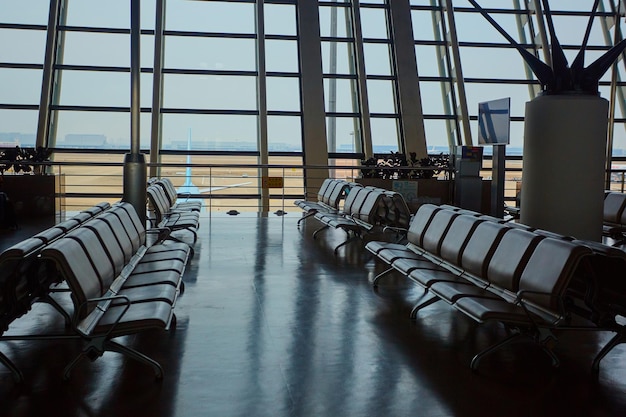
(614, 217)
(365, 210)
(534, 282)
(176, 201)
(120, 281)
(329, 197)
(172, 218)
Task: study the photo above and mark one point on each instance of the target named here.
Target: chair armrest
(395, 229)
(89, 323)
(519, 300)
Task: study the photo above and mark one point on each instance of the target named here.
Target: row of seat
(170, 214)
(174, 202)
(119, 285)
(529, 280)
(329, 197)
(614, 216)
(22, 280)
(364, 209)
(121, 278)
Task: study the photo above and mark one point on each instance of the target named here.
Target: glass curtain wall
(231, 76)
(492, 68)
(359, 72)
(22, 49)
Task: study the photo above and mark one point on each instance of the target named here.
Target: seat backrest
(48, 235)
(97, 209)
(18, 278)
(554, 235)
(480, 248)
(457, 237)
(510, 257)
(324, 188)
(397, 212)
(119, 252)
(133, 219)
(436, 231)
(170, 192)
(614, 204)
(420, 222)
(68, 225)
(102, 263)
(605, 293)
(123, 228)
(338, 193)
(158, 202)
(549, 270)
(352, 198)
(75, 266)
(372, 209)
(362, 195)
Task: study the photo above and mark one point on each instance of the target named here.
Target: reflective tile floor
(273, 324)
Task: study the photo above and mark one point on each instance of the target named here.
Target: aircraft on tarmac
(189, 188)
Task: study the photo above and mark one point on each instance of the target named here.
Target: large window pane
(427, 62)
(97, 13)
(20, 86)
(492, 63)
(377, 59)
(374, 23)
(283, 93)
(346, 133)
(18, 127)
(210, 53)
(280, 19)
(210, 132)
(384, 135)
(24, 11)
(209, 92)
(101, 49)
(284, 133)
(342, 28)
(281, 55)
(436, 133)
(92, 88)
(210, 16)
(473, 27)
(94, 130)
(381, 96)
(345, 99)
(423, 25)
(344, 56)
(432, 101)
(23, 46)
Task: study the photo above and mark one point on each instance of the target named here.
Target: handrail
(92, 180)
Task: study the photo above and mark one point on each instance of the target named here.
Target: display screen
(494, 122)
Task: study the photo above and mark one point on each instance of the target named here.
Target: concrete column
(563, 172)
(314, 146)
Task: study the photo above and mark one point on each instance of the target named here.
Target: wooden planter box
(34, 195)
(421, 191)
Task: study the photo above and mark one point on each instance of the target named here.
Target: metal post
(262, 103)
(48, 74)
(134, 162)
(498, 163)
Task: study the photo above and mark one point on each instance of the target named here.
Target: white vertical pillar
(563, 173)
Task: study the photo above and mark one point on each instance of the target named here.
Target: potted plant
(24, 160)
(32, 192)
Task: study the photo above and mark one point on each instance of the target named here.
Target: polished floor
(273, 324)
